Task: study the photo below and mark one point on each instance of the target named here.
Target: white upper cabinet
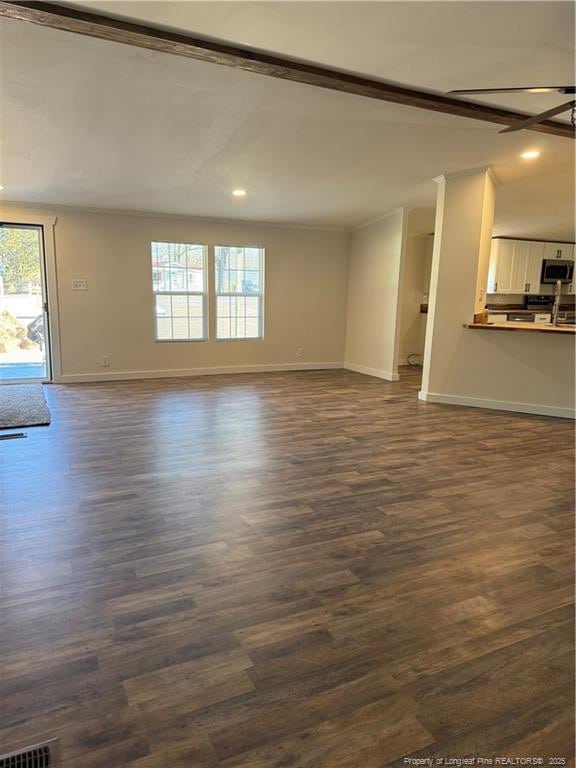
(558, 251)
(528, 260)
(505, 271)
(516, 265)
(493, 268)
(501, 266)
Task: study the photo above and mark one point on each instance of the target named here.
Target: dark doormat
(23, 405)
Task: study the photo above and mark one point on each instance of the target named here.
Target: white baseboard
(498, 405)
(78, 378)
(380, 374)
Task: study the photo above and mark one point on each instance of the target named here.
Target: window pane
(196, 330)
(180, 306)
(239, 273)
(160, 280)
(223, 283)
(252, 259)
(180, 326)
(195, 257)
(164, 328)
(163, 306)
(235, 281)
(177, 277)
(223, 306)
(252, 307)
(223, 328)
(237, 306)
(195, 306)
(251, 327)
(195, 279)
(179, 280)
(252, 282)
(159, 254)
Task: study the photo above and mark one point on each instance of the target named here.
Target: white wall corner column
(525, 372)
(463, 231)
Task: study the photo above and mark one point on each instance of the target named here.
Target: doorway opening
(414, 303)
(24, 331)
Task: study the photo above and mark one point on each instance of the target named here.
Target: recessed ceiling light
(530, 154)
(541, 90)
(239, 192)
(1, 187)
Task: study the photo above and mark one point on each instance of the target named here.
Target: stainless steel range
(539, 303)
(542, 306)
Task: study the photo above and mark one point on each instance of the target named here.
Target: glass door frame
(47, 281)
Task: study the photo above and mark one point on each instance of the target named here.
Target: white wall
(512, 370)
(305, 301)
(314, 299)
(374, 285)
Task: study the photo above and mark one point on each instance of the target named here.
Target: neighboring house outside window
(180, 291)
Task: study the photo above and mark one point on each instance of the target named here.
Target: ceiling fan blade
(532, 89)
(521, 124)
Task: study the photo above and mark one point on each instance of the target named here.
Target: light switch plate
(79, 285)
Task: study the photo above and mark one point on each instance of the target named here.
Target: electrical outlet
(79, 285)
(105, 362)
(300, 352)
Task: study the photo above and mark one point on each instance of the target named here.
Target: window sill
(254, 338)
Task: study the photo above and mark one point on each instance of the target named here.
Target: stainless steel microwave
(557, 269)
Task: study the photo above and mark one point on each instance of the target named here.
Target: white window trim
(259, 296)
(204, 294)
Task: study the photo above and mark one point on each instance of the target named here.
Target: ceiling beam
(203, 49)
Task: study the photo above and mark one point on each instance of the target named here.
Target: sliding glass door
(24, 337)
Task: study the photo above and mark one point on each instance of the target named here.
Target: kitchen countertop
(533, 327)
(519, 311)
(504, 309)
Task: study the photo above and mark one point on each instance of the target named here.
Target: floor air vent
(39, 756)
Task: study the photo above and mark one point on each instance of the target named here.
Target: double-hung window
(239, 276)
(180, 291)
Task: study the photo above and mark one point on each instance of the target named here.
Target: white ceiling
(430, 45)
(97, 124)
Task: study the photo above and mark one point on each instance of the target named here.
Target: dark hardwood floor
(303, 569)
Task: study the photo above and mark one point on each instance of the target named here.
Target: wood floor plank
(304, 570)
